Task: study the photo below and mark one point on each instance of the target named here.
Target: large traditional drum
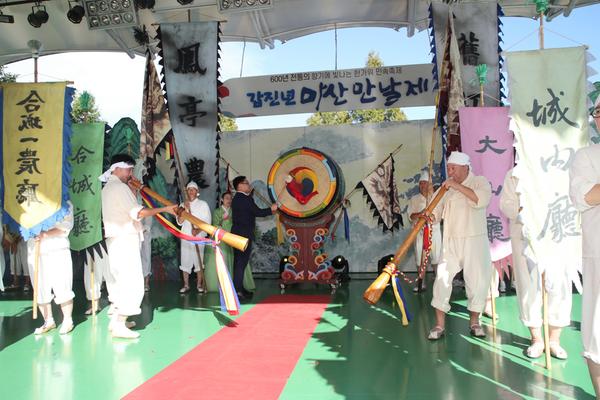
(305, 183)
(307, 186)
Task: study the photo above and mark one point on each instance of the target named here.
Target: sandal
(436, 333)
(47, 327)
(184, 289)
(477, 331)
(535, 350)
(557, 351)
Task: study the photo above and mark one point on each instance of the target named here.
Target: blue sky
(116, 81)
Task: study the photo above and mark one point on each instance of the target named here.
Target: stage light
(75, 13)
(112, 14)
(282, 261)
(185, 2)
(383, 261)
(341, 267)
(6, 19)
(226, 6)
(38, 16)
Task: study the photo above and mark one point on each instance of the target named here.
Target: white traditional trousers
(529, 292)
(101, 272)
(126, 269)
(55, 276)
(146, 254)
(472, 256)
(590, 310)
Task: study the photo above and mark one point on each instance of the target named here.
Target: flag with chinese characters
(485, 137)
(155, 117)
(190, 68)
(87, 145)
(36, 131)
(550, 122)
(381, 193)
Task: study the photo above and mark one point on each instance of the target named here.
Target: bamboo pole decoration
(375, 290)
(233, 240)
(202, 282)
(546, 324)
(93, 285)
(36, 273)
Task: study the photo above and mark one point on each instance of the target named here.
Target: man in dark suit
(244, 213)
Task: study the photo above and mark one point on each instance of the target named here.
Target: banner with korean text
(36, 131)
(346, 89)
(550, 122)
(485, 137)
(87, 144)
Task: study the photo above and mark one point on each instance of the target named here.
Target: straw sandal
(535, 350)
(477, 330)
(436, 333)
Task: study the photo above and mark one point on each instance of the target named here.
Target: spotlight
(282, 261)
(383, 261)
(341, 267)
(75, 13)
(38, 16)
(185, 2)
(7, 19)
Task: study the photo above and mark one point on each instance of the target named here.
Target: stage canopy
(261, 21)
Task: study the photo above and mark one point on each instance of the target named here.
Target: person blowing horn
(465, 243)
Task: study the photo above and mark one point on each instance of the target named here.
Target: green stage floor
(356, 352)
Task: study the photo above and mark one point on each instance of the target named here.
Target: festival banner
(485, 137)
(382, 195)
(476, 29)
(36, 132)
(346, 89)
(87, 144)
(550, 121)
(155, 117)
(190, 68)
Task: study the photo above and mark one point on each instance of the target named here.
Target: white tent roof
(285, 20)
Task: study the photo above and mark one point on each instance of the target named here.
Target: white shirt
(120, 209)
(199, 209)
(416, 204)
(584, 174)
(463, 217)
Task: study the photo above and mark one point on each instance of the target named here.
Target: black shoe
(247, 293)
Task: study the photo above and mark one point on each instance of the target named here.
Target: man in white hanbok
(465, 243)
(416, 206)
(528, 285)
(192, 255)
(585, 194)
(122, 214)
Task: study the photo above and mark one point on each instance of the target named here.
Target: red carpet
(250, 361)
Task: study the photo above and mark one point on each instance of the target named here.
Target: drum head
(304, 183)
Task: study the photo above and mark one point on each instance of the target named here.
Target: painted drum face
(305, 183)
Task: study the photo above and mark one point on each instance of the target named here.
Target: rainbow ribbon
(227, 295)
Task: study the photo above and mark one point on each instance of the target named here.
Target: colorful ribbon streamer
(227, 295)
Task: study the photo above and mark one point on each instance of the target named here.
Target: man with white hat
(192, 255)
(121, 215)
(465, 243)
(585, 194)
(416, 205)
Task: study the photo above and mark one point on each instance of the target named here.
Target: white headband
(424, 177)
(108, 172)
(458, 158)
(193, 185)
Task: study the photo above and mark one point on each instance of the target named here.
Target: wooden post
(546, 324)
(36, 269)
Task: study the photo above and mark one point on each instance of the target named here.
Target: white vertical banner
(189, 58)
(549, 116)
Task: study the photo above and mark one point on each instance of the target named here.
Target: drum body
(307, 186)
(305, 183)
